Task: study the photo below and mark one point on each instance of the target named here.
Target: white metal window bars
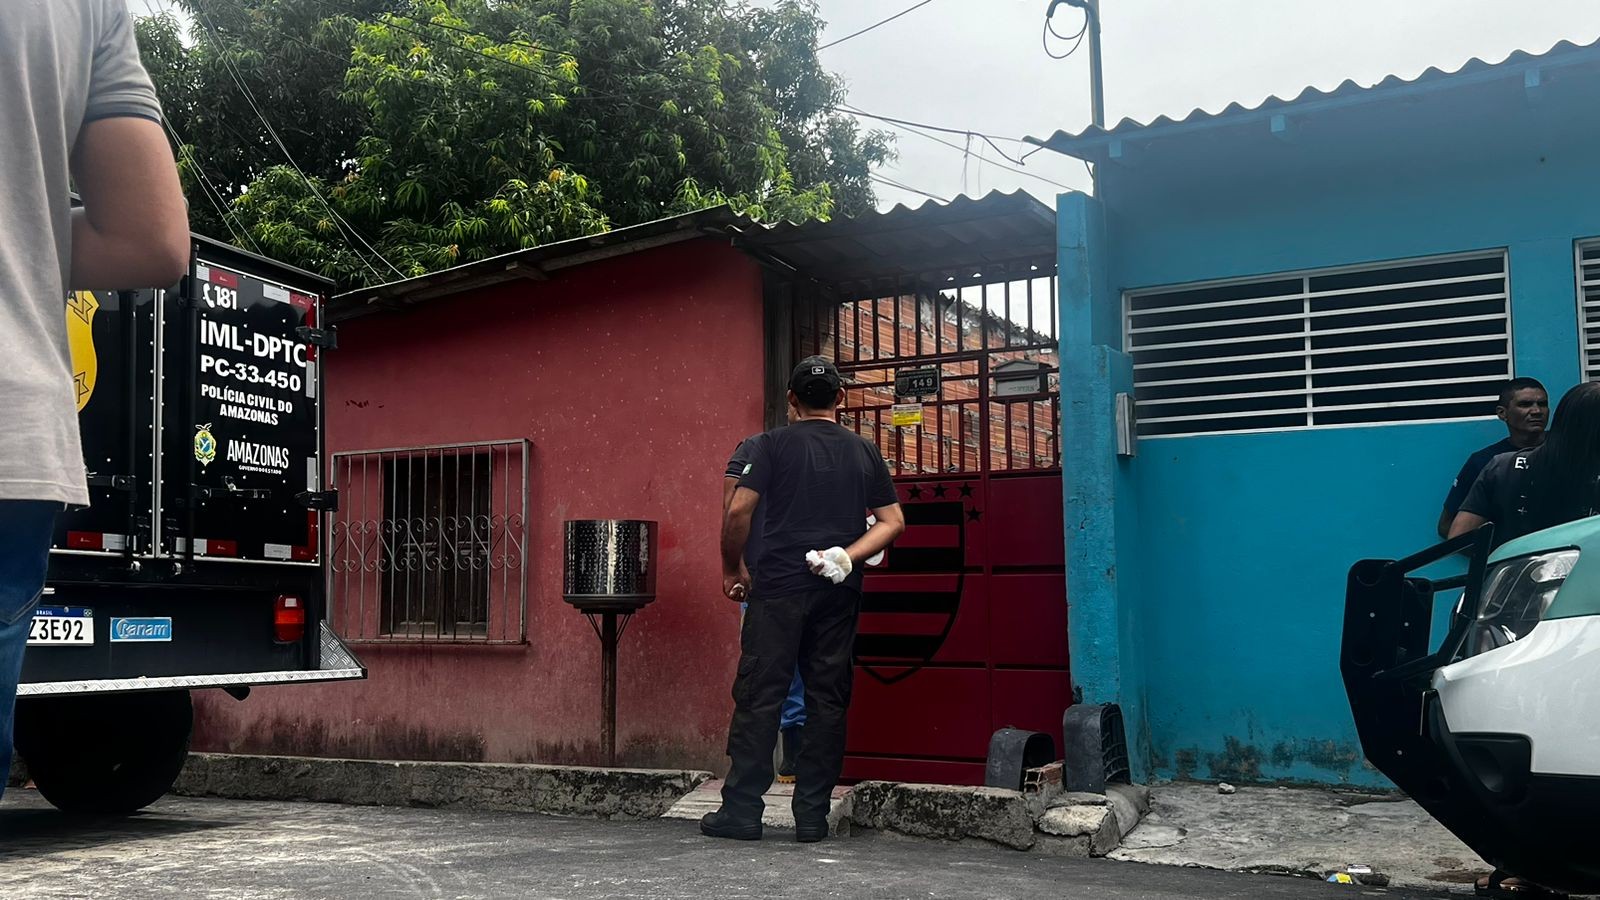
(430, 544)
(1587, 264)
(1407, 341)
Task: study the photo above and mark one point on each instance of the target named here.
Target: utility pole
(1097, 96)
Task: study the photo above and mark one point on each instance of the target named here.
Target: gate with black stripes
(964, 624)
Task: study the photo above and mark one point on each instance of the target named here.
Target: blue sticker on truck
(150, 628)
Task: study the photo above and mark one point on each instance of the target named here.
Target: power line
(682, 79)
(904, 187)
(552, 73)
(856, 34)
(273, 133)
(966, 163)
(978, 173)
(1050, 29)
(965, 132)
(208, 188)
(673, 77)
(954, 146)
(1049, 23)
(549, 72)
(212, 194)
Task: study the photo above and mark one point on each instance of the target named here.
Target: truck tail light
(289, 619)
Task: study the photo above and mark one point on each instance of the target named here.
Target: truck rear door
(111, 336)
(242, 418)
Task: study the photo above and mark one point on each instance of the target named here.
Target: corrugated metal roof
(1347, 93)
(535, 263)
(929, 239)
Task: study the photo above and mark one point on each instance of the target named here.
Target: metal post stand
(609, 630)
(610, 574)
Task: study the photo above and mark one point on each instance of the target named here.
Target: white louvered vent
(1419, 340)
(1589, 307)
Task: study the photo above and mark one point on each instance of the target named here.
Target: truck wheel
(105, 753)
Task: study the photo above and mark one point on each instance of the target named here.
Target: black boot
(810, 832)
(722, 824)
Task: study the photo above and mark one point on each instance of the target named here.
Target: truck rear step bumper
(338, 664)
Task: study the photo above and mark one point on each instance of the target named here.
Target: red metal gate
(964, 625)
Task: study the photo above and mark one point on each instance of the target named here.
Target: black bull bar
(1506, 816)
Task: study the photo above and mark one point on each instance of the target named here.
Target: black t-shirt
(1503, 497)
(738, 464)
(1469, 474)
(1500, 494)
(817, 480)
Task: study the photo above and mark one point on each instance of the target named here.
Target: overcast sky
(979, 64)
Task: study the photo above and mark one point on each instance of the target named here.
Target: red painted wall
(634, 378)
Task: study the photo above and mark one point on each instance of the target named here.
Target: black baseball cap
(816, 379)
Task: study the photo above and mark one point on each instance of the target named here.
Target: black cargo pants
(817, 631)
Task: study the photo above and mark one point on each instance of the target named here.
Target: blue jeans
(25, 527)
(794, 705)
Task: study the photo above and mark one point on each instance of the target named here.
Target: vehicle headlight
(1516, 593)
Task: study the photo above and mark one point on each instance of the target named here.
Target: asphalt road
(220, 848)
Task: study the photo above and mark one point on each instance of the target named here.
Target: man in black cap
(814, 480)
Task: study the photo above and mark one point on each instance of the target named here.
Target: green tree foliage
(427, 133)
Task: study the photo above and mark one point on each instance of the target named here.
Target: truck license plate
(61, 625)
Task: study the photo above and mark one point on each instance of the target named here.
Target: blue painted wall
(1231, 550)
(1101, 491)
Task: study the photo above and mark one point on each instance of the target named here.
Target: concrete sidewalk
(707, 798)
(1293, 831)
(1301, 831)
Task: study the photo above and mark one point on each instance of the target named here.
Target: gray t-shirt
(63, 63)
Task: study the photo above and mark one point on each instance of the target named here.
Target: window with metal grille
(1588, 263)
(430, 544)
(1418, 340)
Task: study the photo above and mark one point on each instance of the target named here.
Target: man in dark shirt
(1525, 408)
(815, 480)
(1558, 481)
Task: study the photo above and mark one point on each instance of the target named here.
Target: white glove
(833, 563)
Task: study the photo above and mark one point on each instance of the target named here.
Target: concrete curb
(1059, 824)
(943, 812)
(552, 790)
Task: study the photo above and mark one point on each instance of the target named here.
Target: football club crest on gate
(205, 446)
(910, 608)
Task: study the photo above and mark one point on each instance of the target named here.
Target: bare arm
(890, 525)
(1465, 522)
(728, 487)
(735, 533)
(1445, 519)
(133, 228)
(736, 528)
